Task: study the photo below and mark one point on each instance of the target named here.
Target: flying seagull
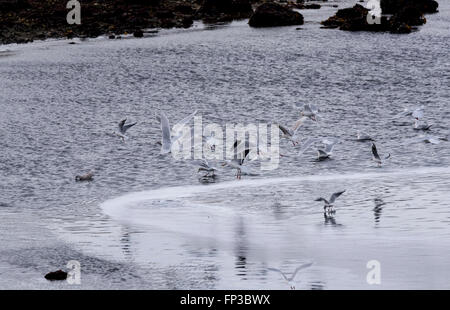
(168, 136)
(328, 204)
(376, 158)
(290, 280)
(290, 133)
(325, 153)
(309, 110)
(124, 127)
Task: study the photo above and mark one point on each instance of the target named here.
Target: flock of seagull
(243, 152)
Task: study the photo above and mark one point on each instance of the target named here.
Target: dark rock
(411, 16)
(354, 19)
(272, 14)
(402, 28)
(111, 37)
(58, 275)
(234, 9)
(394, 6)
(138, 34)
(313, 6)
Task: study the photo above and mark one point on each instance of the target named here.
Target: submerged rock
(58, 275)
(272, 14)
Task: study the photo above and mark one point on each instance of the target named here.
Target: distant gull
(362, 137)
(376, 158)
(328, 205)
(290, 280)
(86, 177)
(169, 137)
(431, 139)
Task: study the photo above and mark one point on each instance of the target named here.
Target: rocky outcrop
(354, 19)
(395, 6)
(272, 14)
(402, 21)
(23, 21)
(224, 10)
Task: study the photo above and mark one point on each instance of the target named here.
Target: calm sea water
(147, 222)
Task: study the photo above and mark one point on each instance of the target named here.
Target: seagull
(212, 142)
(290, 280)
(169, 137)
(237, 163)
(421, 125)
(376, 158)
(309, 110)
(362, 137)
(416, 112)
(291, 133)
(431, 139)
(86, 177)
(123, 128)
(323, 154)
(328, 205)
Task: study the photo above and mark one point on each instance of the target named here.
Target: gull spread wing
(335, 196)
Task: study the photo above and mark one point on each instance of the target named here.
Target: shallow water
(61, 102)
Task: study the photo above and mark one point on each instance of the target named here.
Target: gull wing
(335, 196)
(306, 145)
(280, 272)
(375, 152)
(322, 199)
(121, 124)
(166, 143)
(285, 131)
(298, 269)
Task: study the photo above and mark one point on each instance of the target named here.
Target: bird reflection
(241, 249)
(125, 242)
(330, 220)
(377, 210)
(317, 285)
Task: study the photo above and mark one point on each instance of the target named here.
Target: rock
(313, 6)
(402, 28)
(272, 15)
(58, 275)
(86, 177)
(394, 6)
(233, 9)
(111, 37)
(411, 16)
(138, 34)
(354, 19)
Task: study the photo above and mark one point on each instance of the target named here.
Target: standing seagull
(290, 280)
(169, 137)
(328, 205)
(376, 158)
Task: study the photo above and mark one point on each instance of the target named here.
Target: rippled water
(59, 104)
